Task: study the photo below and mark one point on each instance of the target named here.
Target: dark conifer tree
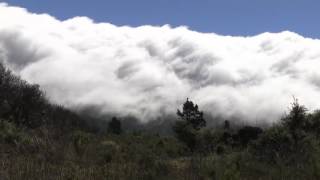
(191, 114)
(191, 121)
(114, 126)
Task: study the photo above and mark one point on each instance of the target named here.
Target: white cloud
(149, 71)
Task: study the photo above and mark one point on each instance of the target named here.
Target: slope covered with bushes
(39, 140)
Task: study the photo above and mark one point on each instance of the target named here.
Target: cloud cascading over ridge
(149, 71)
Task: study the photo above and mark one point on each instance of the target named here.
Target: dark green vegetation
(39, 140)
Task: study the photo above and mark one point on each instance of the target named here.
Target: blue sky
(227, 17)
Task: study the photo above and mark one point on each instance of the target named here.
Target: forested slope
(40, 140)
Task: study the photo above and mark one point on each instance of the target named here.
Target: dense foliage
(191, 121)
(39, 140)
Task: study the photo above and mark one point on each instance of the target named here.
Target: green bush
(9, 133)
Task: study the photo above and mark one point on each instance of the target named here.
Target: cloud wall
(149, 71)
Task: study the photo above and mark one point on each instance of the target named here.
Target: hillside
(40, 140)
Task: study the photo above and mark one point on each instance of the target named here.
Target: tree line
(40, 140)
